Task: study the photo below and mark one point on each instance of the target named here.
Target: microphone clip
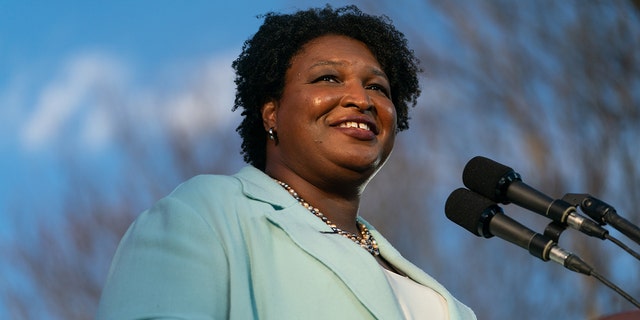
(596, 209)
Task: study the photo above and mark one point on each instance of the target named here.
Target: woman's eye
(380, 88)
(327, 78)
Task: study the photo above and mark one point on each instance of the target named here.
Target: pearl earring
(273, 135)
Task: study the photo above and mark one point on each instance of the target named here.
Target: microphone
(502, 184)
(485, 218)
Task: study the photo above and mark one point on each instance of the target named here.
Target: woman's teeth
(353, 124)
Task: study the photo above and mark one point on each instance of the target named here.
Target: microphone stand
(603, 213)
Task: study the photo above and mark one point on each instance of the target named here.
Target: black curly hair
(265, 58)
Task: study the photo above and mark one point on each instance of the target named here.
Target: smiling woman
(324, 93)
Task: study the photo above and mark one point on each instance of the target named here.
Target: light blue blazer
(240, 247)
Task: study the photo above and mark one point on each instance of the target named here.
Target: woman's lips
(358, 130)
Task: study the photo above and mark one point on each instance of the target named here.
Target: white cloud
(80, 81)
(88, 99)
(97, 129)
(208, 102)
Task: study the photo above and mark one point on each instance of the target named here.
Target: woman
(323, 94)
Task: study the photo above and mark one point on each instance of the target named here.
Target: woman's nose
(356, 95)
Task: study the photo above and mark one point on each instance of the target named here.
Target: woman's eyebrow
(323, 63)
(378, 72)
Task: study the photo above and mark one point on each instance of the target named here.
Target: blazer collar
(259, 186)
(354, 266)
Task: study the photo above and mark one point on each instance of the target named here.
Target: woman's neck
(338, 201)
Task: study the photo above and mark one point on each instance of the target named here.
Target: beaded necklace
(365, 239)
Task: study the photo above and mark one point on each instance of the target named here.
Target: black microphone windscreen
(483, 175)
(467, 209)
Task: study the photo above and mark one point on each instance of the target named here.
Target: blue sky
(54, 56)
(37, 33)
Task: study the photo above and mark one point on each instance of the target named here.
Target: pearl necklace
(365, 239)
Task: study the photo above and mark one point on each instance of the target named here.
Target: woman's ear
(269, 114)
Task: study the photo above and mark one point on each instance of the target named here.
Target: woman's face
(335, 114)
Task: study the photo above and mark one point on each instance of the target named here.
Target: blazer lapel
(353, 265)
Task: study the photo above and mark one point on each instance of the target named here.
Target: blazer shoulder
(205, 185)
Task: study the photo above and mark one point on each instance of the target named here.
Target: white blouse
(416, 300)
